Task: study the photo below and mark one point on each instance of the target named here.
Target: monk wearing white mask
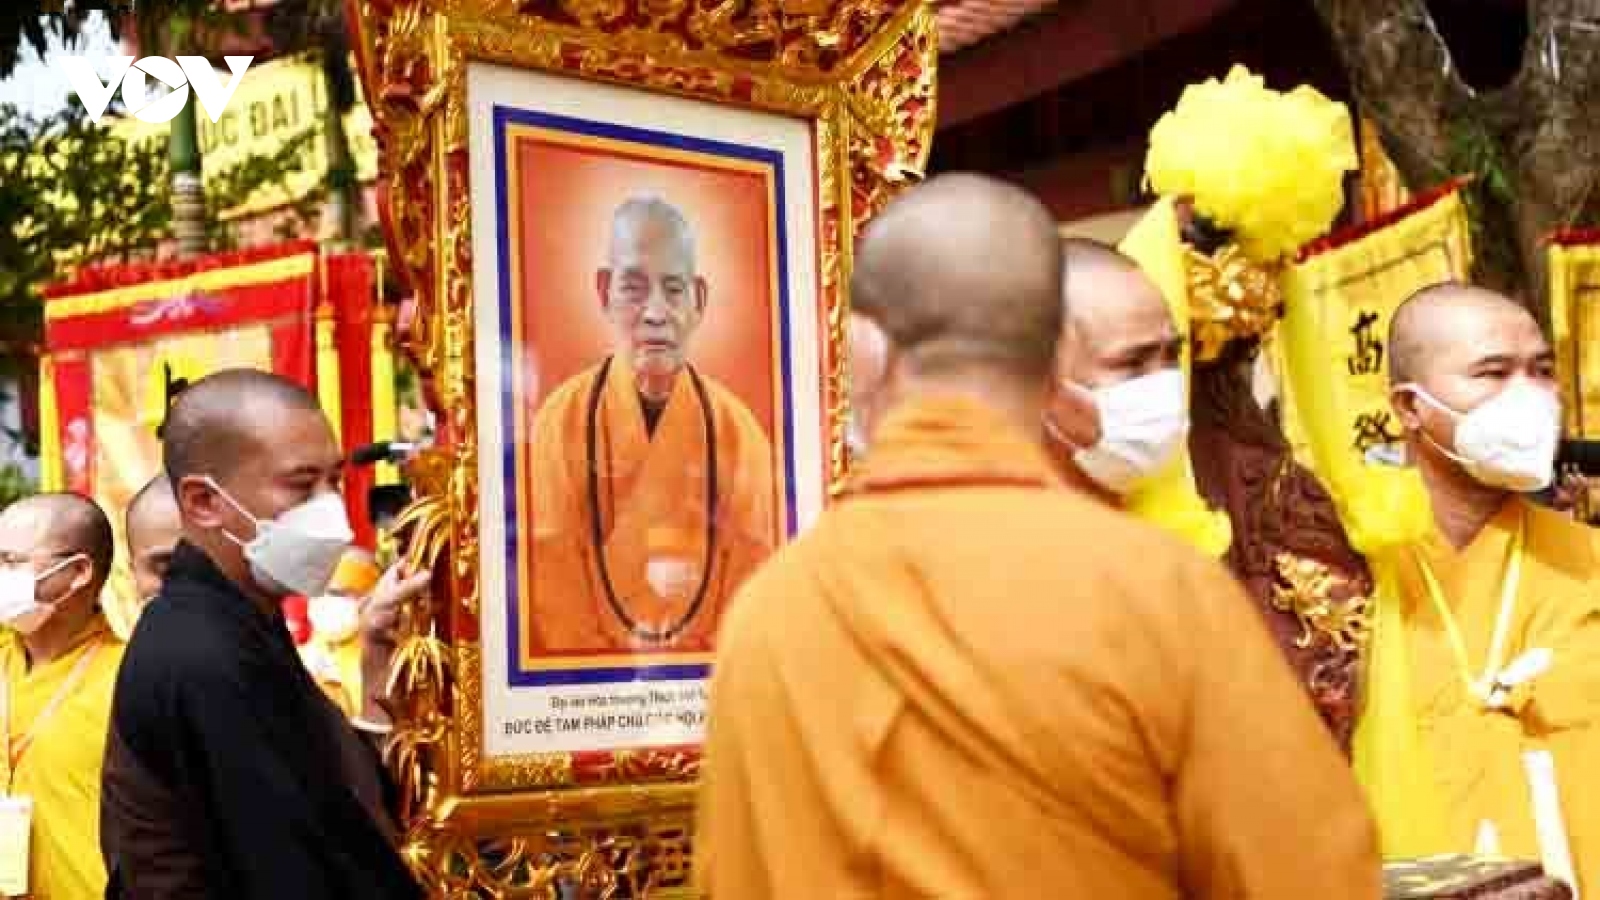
(1478, 729)
(1120, 408)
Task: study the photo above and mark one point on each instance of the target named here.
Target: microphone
(382, 451)
(1581, 454)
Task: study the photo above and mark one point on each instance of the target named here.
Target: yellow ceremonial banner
(1574, 293)
(129, 402)
(1333, 345)
(274, 103)
(1341, 299)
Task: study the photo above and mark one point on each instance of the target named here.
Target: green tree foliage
(72, 192)
(29, 25)
(14, 485)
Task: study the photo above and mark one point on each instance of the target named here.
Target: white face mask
(297, 552)
(334, 619)
(1508, 441)
(1143, 423)
(20, 608)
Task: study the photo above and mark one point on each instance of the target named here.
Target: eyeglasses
(11, 559)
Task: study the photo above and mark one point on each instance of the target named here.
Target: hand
(380, 615)
(1571, 491)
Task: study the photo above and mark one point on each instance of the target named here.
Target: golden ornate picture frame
(859, 75)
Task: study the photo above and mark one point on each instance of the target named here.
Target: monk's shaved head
(1101, 282)
(154, 501)
(1085, 254)
(1439, 317)
(153, 528)
(242, 448)
(220, 418)
(964, 271)
(64, 523)
(648, 214)
(651, 294)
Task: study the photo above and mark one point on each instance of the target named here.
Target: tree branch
(1554, 142)
(1403, 77)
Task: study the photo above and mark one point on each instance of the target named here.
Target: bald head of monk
(58, 549)
(962, 275)
(244, 447)
(651, 292)
(1118, 411)
(1474, 387)
(153, 527)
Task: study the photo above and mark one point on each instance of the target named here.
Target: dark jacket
(228, 772)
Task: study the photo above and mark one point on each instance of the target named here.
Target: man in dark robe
(228, 772)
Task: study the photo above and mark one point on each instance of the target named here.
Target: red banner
(123, 340)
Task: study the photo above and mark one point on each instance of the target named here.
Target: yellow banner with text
(275, 103)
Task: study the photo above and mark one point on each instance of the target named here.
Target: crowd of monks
(990, 668)
(978, 675)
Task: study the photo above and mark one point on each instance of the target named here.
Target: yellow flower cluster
(1266, 165)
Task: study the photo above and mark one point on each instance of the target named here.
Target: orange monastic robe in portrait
(968, 682)
(615, 504)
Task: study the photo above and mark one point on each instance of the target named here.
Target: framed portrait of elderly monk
(627, 227)
(657, 394)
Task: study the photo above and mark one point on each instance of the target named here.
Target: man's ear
(702, 293)
(198, 502)
(602, 285)
(1404, 400)
(85, 574)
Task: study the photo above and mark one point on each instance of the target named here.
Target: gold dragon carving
(1312, 592)
(863, 71)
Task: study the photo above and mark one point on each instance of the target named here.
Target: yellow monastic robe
(1476, 753)
(652, 504)
(60, 770)
(968, 682)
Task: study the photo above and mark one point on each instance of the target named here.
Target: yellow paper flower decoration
(1268, 166)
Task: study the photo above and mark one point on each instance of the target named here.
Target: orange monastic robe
(653, 504)
(967, 681)
(1475, 753)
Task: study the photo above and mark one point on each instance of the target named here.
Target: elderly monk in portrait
(1495, 652)
(969, 680)
(652, 484)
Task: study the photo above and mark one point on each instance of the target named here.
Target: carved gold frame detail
(863, 73)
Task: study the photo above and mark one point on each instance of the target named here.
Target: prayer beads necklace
(597, 535)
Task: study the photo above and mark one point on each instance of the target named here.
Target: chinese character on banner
(1368, 356)
(1374, 429)
(1340, 294)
